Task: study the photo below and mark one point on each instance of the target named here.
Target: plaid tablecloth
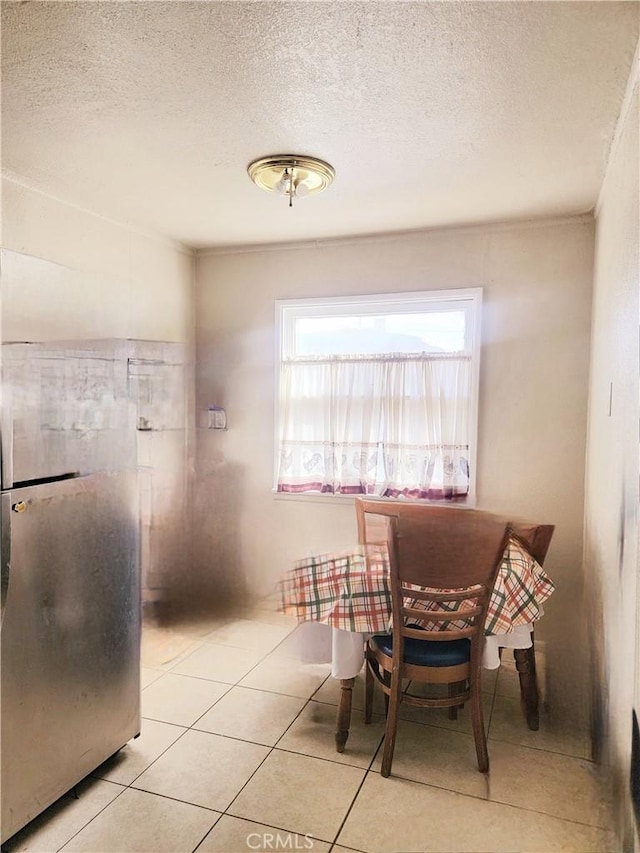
(339, 590)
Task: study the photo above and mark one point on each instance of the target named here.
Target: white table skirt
(344, 650)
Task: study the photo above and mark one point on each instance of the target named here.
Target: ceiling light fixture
(291, 174)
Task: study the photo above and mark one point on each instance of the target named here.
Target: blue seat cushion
(428, 652)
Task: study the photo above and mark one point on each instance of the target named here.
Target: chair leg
(454, 688)
(453, 710)
(526, 666)
(387, 682)
(392, 725)
(344, 713)
(479, 735)
(368, 692)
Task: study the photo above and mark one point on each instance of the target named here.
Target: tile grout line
(272, 748)
(360, 786)
(130, 785)
(275, 748)
(220, 812)
(84, 826)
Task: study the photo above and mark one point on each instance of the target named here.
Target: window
(378, 394)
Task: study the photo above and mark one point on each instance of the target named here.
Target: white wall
(71, 275)
(533, 399)
(612, 473)
(113, 281)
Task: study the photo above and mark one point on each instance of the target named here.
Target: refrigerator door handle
(5, 551)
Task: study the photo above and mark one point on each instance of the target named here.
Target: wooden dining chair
(454, 553)
(372, 516)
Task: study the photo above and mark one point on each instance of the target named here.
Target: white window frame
(287, 311)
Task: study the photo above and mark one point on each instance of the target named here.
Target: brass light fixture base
(291, 174)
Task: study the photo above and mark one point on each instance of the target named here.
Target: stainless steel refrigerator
(70, 635)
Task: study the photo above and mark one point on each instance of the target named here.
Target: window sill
(313, 497)
(316, 497)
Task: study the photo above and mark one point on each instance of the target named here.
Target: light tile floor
(237, 754)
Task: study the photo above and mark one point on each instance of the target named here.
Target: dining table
(341, 598)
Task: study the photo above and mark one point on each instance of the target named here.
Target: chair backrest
(535, 537)
(448, 548)
(456, 555)
(372, 517)
(441, 546)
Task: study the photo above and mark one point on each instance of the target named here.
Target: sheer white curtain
(385, 425)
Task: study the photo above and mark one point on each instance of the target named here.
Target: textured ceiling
(432, 113)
